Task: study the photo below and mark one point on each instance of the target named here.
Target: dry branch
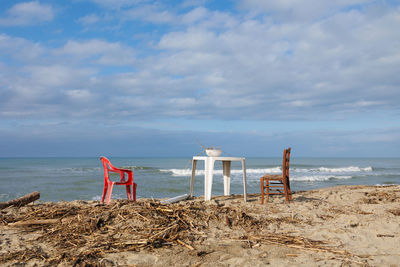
(18, 202)
(34, 222)
(128, 226)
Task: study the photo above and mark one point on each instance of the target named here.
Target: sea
(67, 179)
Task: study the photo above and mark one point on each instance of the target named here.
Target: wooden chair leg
(267, 185)
(290, 192)
(286, 191)
(262, 190)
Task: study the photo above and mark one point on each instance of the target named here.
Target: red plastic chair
(108, 184)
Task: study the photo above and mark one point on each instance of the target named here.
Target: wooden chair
(277, 184)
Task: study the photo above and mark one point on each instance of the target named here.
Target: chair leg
(134, 191)
(128, 192)
(267, 185)
(110, 187)
(289, 191)
(104, 192)
(286, 191)
(262, 190)
(286, 195)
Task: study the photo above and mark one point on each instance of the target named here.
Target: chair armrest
(114, 169)
(122, 174)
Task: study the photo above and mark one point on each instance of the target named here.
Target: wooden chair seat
(272, 177)
(277, 184)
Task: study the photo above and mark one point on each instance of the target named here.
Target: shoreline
(354, 225)
(171, 177)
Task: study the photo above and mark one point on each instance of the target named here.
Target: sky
(146, 78)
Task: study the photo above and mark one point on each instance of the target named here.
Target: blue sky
(156, 78)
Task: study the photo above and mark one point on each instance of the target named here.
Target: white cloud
(300, 10)
(117, 4)
(195, 15)
(221, 64)
(53, 76)
(20, 49)
(79, 95)
(105, 53)
(27, 13)
(149, 13)
(193, 39)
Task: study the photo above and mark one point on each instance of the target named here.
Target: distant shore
(354, 225)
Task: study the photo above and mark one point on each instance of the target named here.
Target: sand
(338, 226)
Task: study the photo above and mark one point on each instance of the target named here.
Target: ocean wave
(76, 170)
(314, 178)
(138, 168)
(272, 170)
(97, 169)
(337, 169)
(188, 172)
(299, 176)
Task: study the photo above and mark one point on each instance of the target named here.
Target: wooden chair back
(286, 163)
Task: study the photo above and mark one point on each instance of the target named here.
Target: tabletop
(218, 158)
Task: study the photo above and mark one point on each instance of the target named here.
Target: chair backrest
(286, 163)
(107, 166)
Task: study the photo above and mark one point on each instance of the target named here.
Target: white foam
(336, 170)
(313, 178)
(296, 174)
(188, 172)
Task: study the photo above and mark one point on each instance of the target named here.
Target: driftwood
(175, 199)
(133, 226)
(34, 222)
(21, 201)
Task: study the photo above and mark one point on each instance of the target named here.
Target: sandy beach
(344, 225)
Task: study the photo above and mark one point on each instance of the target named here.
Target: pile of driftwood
(80, 233)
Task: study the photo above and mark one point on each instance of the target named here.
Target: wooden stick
(34, 222)
(18, 202)
(184, 244)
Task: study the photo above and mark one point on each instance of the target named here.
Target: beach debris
(34, 222)
(175, 199)
(86, 233)
(384, 235)
(21, 201)
(395, 212)
(146, 224)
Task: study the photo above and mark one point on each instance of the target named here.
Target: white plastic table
(209, 170)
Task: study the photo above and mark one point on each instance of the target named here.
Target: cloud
(152, 13)
(301, 10)
(20, 49)
(102, 52)
(118, 4)
(197, 14)
(27, 13)
(219, 65)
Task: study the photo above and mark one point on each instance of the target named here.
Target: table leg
(194, 163)
(226, 166)
(208, 177)
(244, 179)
